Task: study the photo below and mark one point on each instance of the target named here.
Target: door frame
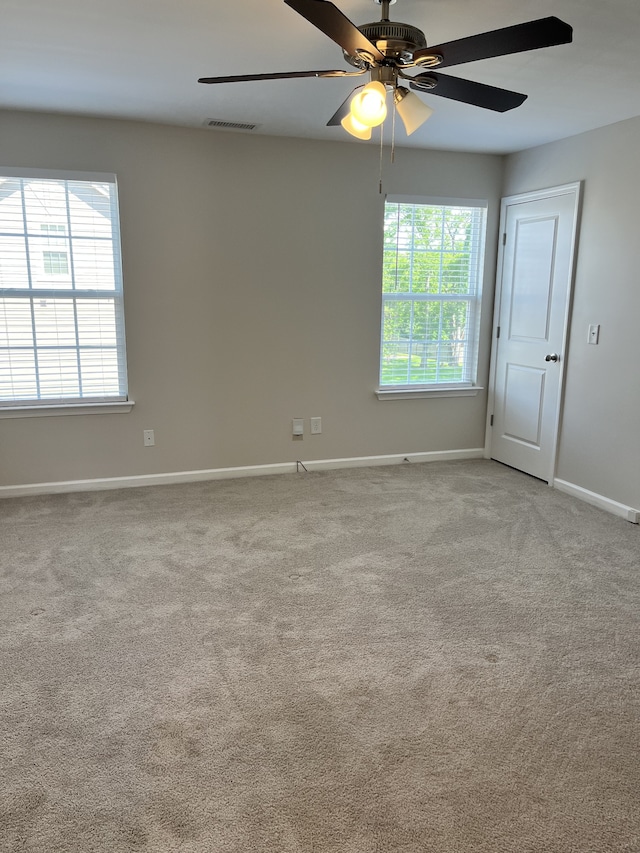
(574, 189)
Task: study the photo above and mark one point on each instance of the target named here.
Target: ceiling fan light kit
(411, 109)
(355, 128)
(369, 106)
(385, 49)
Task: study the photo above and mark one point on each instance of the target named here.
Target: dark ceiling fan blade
(467, 91)
(343, 109)
(286, 75)
(544, 32)
(330, 20)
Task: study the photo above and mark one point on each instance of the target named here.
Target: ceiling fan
(385, 49)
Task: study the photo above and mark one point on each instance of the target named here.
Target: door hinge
(491, 422)
(497, 331)
(504, 239)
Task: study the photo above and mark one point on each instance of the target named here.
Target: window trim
(439, 389)
(47, 411)
(415, 393)
(46, 407)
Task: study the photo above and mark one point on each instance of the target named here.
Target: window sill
(418, 393)
(66, 409)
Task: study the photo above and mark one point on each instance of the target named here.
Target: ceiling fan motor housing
(396, 41)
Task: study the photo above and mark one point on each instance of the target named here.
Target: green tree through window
(432, 266)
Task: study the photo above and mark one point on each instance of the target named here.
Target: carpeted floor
(436, 658)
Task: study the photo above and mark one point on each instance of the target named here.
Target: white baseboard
(621, 510)
(393, 459)
(229, 473)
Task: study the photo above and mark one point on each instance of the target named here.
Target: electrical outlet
(316, 426)
(149, 437)
(298, 426)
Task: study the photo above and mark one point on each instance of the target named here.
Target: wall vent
(229, 125)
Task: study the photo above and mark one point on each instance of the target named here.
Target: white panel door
(533, 294)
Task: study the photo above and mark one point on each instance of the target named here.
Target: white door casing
(530, 334)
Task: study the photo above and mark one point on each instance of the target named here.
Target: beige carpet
(431, 658)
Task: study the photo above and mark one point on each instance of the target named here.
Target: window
(432, 273)
(61, 312)
(56, 263)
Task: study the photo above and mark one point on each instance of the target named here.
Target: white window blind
(61, 311)
(432, 273)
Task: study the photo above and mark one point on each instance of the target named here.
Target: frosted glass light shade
(369, 106)
(411, 109)
(355, 128)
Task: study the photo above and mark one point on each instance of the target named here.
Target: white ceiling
(140, 59)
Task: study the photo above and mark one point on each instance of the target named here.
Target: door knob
(552, 356)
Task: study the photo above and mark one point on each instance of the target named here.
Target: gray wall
(600, 435)
(252, 295)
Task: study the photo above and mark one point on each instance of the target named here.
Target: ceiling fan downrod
(385, 8)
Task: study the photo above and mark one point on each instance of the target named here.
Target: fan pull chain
(393, 133)
(381, 153)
